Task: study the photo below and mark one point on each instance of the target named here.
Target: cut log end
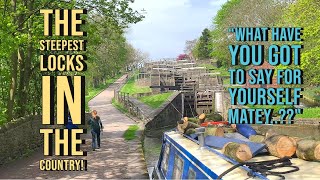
(281, 146)
(317, 152)
(308, 150)
(202, 117)
(239, 152)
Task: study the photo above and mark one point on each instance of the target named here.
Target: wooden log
(192, 125)
(270, 133)
(281, 146)
(229, 130)
(304, 138)
(239, 152)
(202, 117)
(190, 131)
(214, 131)
(257, 138)
(308, 150)
(194, 120)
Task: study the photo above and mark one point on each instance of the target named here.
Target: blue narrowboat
(183, 157)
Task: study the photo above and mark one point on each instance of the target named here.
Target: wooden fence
(126, 100)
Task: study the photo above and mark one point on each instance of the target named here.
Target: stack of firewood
(282, 145)
(277, 145)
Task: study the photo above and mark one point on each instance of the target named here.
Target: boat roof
(219, 163)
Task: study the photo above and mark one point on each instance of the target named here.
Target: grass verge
(223, 71)
(131, 87)
(313, 112)
(130, 133)
(119, 106)
(155, 101)
(311, 94)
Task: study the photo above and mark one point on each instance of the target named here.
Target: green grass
(119, 106)
(155, 101)
(309, 113)
(222, 70)
(131, 87)
(208, 66)
(226, 81)
(311, 94)
(313, 112)
(2, 121)
(130, 133)
(92, 92)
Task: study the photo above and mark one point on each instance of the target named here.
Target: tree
(21, 28)
(242, 13)
(182, 57)
(189, 46)
(202, 47)
(306, 14)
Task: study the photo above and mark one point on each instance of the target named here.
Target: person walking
(96, 128)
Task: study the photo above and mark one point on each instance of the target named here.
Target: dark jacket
(95, 124)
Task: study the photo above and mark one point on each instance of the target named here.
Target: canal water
(151, 149)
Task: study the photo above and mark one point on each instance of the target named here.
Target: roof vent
(200, 132)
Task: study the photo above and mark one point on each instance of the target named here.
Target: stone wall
(22, 136)
(165, 117)
(294, 130)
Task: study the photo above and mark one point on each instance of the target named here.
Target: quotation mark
(231, 30)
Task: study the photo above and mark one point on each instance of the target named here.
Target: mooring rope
(265, 167)
(191, 109)
(175, 108)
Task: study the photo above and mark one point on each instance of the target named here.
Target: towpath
(117, 158)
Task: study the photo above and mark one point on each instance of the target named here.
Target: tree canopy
(306, 14)
(21, 28)
(266, 13)
(202, 49)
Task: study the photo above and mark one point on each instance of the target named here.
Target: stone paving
(117, 158)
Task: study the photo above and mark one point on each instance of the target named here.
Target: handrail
(124, 97)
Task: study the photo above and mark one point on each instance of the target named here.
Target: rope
(191, 109)
(176, 109)
(265, 167)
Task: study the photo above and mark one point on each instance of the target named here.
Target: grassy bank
(132, 87)
(223, 71)
(119, 106)
(130, 133)
(92, 92)
(309, 113)
(311, 94)
(155, 101)
(313, 112)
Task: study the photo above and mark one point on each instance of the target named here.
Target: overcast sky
(169, 23)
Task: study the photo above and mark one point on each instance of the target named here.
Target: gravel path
(117, 158)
